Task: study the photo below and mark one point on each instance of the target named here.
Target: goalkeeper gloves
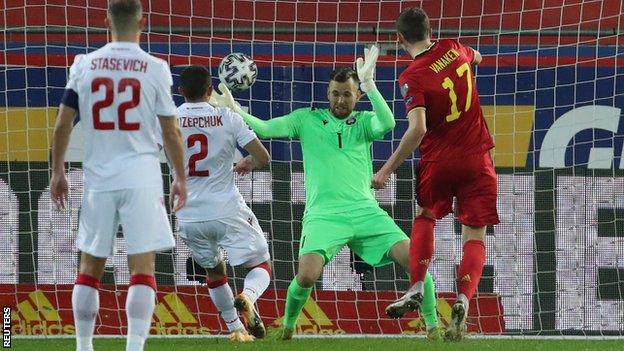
(366, 68)
(225, 99)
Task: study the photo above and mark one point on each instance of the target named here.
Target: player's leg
(202, 240)
(246, 245)
(256, 282)
(143, 239)
(421, 248)
(425, 300)
(322, 238)
(96, 235)
(223, 298)
(86, 300)
(476, 200)
(309, 270)
(468, 276)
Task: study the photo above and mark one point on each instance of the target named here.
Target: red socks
(471, 267)
(421, 247)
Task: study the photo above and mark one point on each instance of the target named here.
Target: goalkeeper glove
(366, 68)
(225, 99)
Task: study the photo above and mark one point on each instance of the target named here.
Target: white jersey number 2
(202, 154)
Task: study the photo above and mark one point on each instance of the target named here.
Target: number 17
(448, 84)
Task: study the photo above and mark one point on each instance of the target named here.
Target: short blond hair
(124, 15)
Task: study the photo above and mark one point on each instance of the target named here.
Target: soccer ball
(238, 71)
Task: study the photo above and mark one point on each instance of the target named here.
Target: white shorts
(240, 236)
(141, 213)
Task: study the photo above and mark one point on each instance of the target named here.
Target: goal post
(551, 85)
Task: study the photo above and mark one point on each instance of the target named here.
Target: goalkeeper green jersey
(337, 159)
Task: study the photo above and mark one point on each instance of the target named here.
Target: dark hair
(413, 24)
(195, 81)
(343, 74)
(124, 14)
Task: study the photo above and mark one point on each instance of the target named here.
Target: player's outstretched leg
(256, 282)
(429, 312)
(406, 303)
(310, 268)
(223, 299)
(469, 274)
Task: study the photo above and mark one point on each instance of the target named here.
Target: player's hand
(224, 99)
(366, 68)
(177, 195)
(380, 179)
(244, 166)
(59, 190)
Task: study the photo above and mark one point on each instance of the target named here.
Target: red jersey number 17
(448, 84)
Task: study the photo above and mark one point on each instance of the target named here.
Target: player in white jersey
(123, 94)
(216, 215)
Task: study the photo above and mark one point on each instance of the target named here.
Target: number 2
(448, 84)
(203, 152)
(109, 85)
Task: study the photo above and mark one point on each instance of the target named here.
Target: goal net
(551, 85)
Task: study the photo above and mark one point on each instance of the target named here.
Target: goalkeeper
(341, 208)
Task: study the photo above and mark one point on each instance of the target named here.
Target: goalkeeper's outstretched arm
(274, 128)
(383, 121)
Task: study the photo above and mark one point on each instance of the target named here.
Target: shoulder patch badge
(404, 89)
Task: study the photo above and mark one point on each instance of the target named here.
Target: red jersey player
(446, 121)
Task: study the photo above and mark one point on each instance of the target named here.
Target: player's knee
(423, 212)
(216, 273)
(473, 233)
(306, 280)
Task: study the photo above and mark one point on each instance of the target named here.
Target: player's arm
(258, 158)
(383, 121)
(409, 142)
(174, 149)
(279, 127)
(62, 131)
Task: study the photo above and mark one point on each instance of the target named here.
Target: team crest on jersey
(404, 89)
(351, 121)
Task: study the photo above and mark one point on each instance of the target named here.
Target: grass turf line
(359, 344)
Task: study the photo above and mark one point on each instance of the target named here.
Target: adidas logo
(313, 320)
(466, 278)
(172, 317)
(425, 262)
(37, 316)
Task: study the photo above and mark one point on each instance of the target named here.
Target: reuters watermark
(6, 328)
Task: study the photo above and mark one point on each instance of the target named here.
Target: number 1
(448, 84)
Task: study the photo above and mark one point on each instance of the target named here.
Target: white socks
(256, 282)
(139, 309)
(223, 299)
(85, 306)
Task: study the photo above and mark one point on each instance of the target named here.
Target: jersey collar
(426, 50)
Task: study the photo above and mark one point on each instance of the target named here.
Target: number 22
(448, 84)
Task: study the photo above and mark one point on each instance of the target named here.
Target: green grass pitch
(341, 344)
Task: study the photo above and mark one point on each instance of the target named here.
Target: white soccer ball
(238, 71)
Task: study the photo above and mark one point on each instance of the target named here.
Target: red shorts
(471, 179)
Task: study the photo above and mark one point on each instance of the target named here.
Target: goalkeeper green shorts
(369, 232)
